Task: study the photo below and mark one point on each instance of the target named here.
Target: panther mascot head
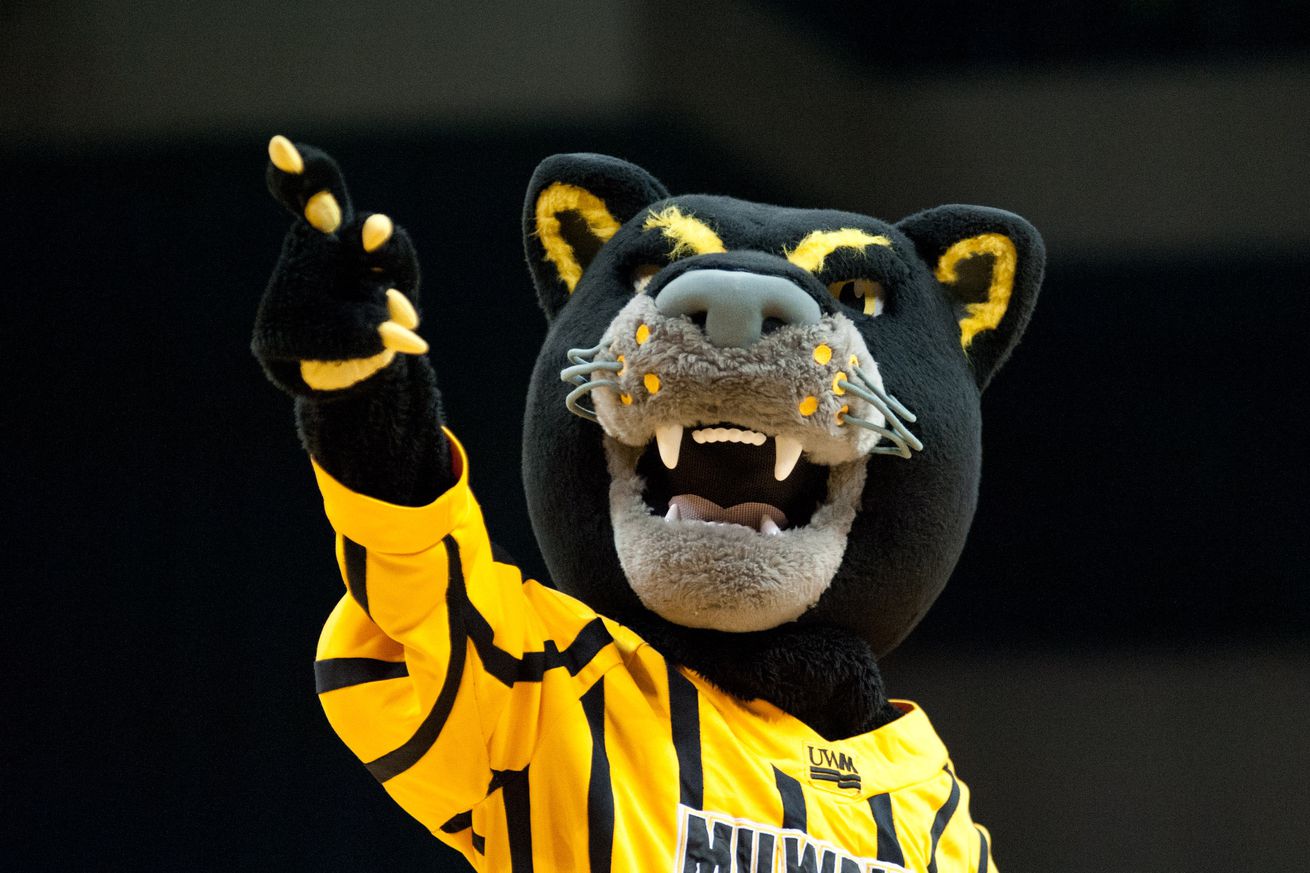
(753, 432)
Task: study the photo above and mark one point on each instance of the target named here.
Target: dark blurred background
(1120, 664)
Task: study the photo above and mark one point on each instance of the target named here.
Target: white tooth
(788, 453)
(669, 436)
(674, 514)
(769, 526)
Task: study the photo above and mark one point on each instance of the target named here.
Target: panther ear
(575, 203)
(989, 263)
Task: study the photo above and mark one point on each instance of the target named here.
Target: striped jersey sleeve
(440, 665)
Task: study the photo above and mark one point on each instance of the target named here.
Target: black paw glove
(338, 308)
(335, 329)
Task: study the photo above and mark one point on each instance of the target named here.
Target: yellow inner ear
(561, 197)
(987, 314)
(810, 253)
(689, 235)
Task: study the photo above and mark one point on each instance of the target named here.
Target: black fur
(381, 437)
(915, 513)
(825, 676)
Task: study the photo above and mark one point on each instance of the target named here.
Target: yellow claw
(402, 312)
(402, 339)
(323, 211)
(335, 375)
(284, 155)
(376, 231)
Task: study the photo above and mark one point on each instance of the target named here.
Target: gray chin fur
(727, 577)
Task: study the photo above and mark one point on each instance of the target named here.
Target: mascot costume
(751, 456)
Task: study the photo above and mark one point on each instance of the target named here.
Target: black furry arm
(385, 439)
(335, 330)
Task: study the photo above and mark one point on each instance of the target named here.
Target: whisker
(902, 449)
(572, 401)
(899, 433)
(869, 397)
(578, 356)
(579, 375)
(887, 397)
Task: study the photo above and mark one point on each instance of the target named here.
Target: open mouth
(736, 517)
(729, 474)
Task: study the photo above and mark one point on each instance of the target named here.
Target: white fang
(788, 453)
(669, 437)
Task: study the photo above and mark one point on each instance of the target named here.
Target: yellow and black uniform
(533, 735)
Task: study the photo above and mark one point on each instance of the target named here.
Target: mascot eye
(865, 295)
(641, 276)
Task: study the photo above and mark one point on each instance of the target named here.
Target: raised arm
(434, 667)
(336, 331)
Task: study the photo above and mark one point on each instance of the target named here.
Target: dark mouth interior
(733, 473)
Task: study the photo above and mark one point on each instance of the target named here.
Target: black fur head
(931, 306)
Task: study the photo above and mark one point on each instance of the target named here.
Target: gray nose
(735, 304)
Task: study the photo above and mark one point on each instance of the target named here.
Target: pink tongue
(697, 508)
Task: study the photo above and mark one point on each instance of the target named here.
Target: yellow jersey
(533, 735)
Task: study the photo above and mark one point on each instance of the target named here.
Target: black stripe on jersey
(793, 801)
(827, 774)
(889, 845)
(578, 654)
(458, 822)
(684, 716)
(333, 673)
(401, 759)
(943, 818)
(983, 851)
(532, 666)
(356, 560)
(600, 791)
(518, 821)
(463, 821)
(501, 778)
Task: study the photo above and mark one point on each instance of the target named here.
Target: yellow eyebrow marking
(561, 197)
(689, 235)
(810, 253)
(987, 314)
